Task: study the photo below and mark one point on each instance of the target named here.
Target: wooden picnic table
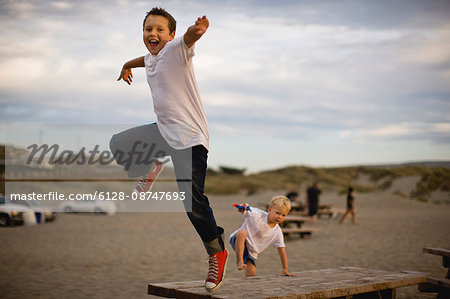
(434, 284)
(343, 282)
(445, 253)
(297, 206)
(293, 225)
(295, 219)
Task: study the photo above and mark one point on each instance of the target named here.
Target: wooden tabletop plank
(299, 230)
(437, 251)
(325, 283)
(169, 289)
(295, 218)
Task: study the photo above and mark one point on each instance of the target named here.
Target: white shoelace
(213, 268)
(142, 182)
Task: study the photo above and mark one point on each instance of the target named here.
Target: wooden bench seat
(298, 230)
(331, 213)
(436, 285)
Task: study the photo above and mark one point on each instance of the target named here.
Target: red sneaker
(146, 181)
(217, 269)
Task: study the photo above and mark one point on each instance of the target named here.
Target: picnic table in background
(434, 284)
(298, 208)
(293, 225)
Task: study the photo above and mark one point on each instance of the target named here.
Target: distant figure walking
(313, 193)
(350, 206)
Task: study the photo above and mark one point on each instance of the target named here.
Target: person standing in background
(313, 193)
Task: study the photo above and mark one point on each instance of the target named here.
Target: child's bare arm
(284, 262)
(126, 74)
(196, 31)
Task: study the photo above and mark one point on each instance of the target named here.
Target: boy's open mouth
(153, 43)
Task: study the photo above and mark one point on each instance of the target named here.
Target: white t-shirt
(176, 100)
(259, 234)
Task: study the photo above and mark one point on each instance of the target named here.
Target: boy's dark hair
(158, 11)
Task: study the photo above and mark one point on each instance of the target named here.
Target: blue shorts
(246, 256)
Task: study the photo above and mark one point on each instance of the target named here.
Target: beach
(99, 256)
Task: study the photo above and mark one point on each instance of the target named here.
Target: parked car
(38, 209)
(11, 213)
(89, 206)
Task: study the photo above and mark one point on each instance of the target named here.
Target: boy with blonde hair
(260, 230)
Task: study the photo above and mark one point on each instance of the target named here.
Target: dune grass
(337, 179)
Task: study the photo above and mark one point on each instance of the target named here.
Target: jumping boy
(260, 230)
(181, 130)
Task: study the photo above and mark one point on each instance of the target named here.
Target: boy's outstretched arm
(284, 263)
(126, 74)
(196, 31)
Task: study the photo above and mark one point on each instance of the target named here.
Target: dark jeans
(136, 148)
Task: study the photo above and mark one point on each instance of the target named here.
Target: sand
(91, 256)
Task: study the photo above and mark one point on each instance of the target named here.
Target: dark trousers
(136, 148)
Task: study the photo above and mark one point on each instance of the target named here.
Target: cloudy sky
(321, 83)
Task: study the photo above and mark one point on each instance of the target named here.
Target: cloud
(354, 13)
(61, 5)
(355, 70)
(439, 132)
(320, 77)
(432, 49)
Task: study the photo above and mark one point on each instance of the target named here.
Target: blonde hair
(280, 201)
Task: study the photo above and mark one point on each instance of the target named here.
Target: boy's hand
(126, 75)
(201, 25)
(286, 273)
(195, 32)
